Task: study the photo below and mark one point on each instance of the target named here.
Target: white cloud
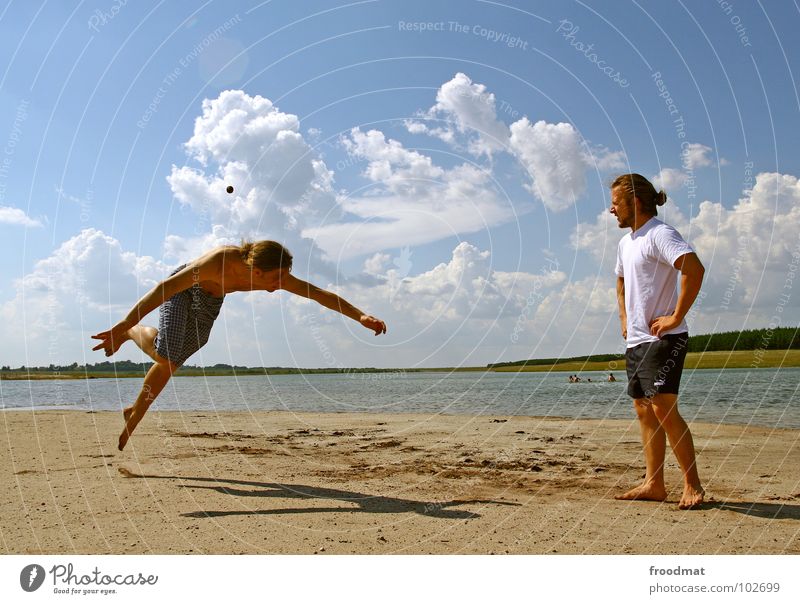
(280, 185)
(376, 264)
(396, 169)
(554, 155)
(604, 159)
(87, 280)
(471, 109)
(750, 249)
(413, 201)
(696, 155)
(459, 311)
(669, 179)
(578, 318)
(15, 216)
(554, 158)
(259, 150)
(185, 249)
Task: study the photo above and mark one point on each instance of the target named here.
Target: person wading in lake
(652, 312)
(190, 300)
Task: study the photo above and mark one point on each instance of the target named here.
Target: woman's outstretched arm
(296, 286)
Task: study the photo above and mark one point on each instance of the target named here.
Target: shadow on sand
(370, 504)
(776, 511)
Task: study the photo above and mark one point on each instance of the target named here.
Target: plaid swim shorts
(185, 321)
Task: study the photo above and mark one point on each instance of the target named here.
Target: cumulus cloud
(280, 185)
(751, 248)
(458, 310)
(557, 159)
(580, 317)
(88, 279)
(554, 158)
(278, 180)
(15, 216)
(669, 179)
(376, 263)
(696, 155)
(412, 201)
(468, 109)
(604, 159)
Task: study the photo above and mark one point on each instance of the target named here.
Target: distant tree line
(778, 338)
(602, 358)
(128, 367)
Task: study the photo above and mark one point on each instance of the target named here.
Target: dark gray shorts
(185, 322)
(656, 367)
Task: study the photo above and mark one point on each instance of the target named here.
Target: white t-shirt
(645, 259)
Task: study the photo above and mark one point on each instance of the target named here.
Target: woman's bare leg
(154, 382)
(145, 337)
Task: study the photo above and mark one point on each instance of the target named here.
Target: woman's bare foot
(123, 439)
(646, 492)
(692, 497)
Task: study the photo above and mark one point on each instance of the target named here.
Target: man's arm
(330, 300)
(692, 272)
(623, 314)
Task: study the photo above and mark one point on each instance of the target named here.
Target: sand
(269, 482)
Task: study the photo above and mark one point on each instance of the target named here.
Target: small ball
(229, 189)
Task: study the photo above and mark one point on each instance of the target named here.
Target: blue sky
(444, 165)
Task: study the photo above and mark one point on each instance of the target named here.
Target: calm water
(764, 397)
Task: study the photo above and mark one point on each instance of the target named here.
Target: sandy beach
(277, 482)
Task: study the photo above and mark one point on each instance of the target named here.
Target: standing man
(652, 312)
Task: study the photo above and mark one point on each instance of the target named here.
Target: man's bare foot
(646, 492)
(692, 497)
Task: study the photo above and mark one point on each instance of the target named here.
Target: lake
(762, 397)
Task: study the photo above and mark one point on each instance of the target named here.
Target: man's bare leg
(154, 382)
(655, 448)
(665, 406)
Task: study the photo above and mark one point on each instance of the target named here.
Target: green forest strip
(754, 340)
(739, 359)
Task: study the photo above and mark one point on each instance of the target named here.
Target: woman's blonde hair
(265, 255)
(636, 185)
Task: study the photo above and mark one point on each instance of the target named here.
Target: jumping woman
(190, 300)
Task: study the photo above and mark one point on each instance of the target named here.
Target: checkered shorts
(185, 321)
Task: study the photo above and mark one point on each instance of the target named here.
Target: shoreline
(504, 417)
(359, 483)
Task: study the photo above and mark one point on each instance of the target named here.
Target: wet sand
(278, 482)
